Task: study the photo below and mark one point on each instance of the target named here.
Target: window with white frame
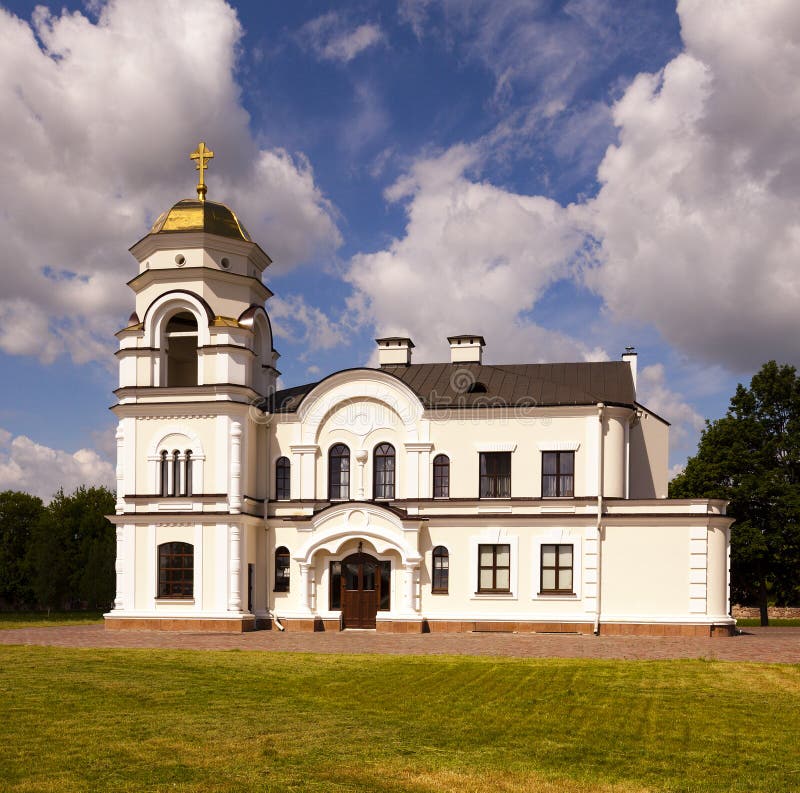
(556, 568)
(557, 565)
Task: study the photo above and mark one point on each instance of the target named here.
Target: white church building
(410, 497)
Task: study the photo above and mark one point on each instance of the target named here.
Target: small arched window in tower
(441, 570)
(383, 469)
(441, 476)
(187, 473)
(176, 473)
(283, 479)
(163, 474)
(282, 569)
(339, 473)
(181, 350)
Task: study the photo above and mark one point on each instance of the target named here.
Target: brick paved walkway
(779, 645)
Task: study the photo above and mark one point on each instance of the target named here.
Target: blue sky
(566, 178)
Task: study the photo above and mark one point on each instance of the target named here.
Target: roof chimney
(630, 355)
(394, 351)
(466, 348)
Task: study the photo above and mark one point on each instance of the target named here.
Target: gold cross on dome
(202, 154)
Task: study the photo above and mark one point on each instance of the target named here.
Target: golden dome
(191, 214)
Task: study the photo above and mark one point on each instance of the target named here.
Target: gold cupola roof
(197, 214)
(192, 214)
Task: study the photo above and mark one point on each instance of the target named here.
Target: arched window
(441, 476)
(181, 350)
(187, 473)
(383, 472)
(339, 473)
(176, 570)
(176, 473)
(282, 569)
(441, 569)
(163, 474)
(282, 479)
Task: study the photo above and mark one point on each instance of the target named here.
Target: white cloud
(474, 259)
(332, 39)
(653, 391)
(40, 470)
(697, 218)
(97, 124)
(293, 319)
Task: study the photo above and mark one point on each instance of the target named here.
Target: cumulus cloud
(474, 258)
(697, 219)
(97, 124)
(331, 38)
(40, 470)
(653, 391)
(294, 319)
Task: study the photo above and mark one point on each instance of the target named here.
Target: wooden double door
(360, 590)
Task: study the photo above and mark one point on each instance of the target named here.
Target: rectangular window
(335, 594)
(558, 474)
(175, 570)
(494, 568)
(495, 475)
(557, 569)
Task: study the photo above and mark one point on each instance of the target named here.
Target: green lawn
(41, 619)
(90, 719)
(776, 623)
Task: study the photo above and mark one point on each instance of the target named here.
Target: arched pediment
(175, 437)
(334, 527)
(354, 386)
(166, 306)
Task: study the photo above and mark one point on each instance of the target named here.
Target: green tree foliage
(751, 456)
(19, 514)
(72, 550)
(59, 556)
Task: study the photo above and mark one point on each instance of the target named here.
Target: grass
(123, 720)
(41, 619)
(773, 623)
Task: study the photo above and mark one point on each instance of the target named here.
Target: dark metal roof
(472, 385)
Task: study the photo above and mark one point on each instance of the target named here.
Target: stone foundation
(309, 625)
(200, 625)
(631, 629)
(400, 626)
(487, 626)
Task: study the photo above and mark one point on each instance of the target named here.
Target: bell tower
(196, 357)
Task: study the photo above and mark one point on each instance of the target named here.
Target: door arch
(360, 590)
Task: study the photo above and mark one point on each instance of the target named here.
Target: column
(235, 597)
(235, 492)
(417, 456)
(411, 588)
(305, 588)
(119, 568)
(361, 459)
(120, 505)
(304, 457)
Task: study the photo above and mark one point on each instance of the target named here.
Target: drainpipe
(600, 465)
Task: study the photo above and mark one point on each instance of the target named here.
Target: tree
(19, 513)
(751, 457)
(72, 550)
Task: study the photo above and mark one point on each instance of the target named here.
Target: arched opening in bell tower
(181, 350)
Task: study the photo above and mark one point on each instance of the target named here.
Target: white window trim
(496, 447)
(557, 537)
(559, 446)
(495, 537)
